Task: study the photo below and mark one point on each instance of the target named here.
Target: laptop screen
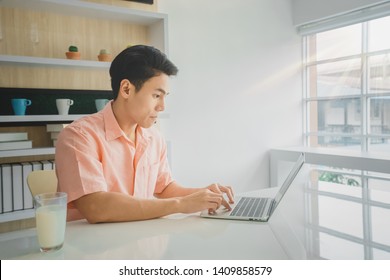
(291, 176)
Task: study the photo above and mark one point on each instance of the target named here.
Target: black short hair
(138, 64)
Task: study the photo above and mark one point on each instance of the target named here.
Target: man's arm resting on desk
(176, 190)
(102, 207)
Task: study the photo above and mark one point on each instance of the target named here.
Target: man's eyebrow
(162, 91)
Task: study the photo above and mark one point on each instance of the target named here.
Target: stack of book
(14, 191)
(14, 141)
(54, 130)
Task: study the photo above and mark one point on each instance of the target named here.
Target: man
(113, 164)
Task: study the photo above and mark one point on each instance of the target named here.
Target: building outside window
(347, 87)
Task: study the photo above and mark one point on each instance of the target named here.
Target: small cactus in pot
(73, 53)
(104, 55)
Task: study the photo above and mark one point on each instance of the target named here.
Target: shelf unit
(44, 61)
(29, 213)
(154, 23)
(34, 119)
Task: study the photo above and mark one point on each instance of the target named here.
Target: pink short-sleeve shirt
(93, 155)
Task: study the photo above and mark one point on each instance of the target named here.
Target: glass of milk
(50, 215)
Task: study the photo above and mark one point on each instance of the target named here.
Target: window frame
(365, 134)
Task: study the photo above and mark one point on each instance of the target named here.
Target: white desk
(314, 220)
(176, 237)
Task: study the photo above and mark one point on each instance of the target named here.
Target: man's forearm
(116, 207)
(176, 190)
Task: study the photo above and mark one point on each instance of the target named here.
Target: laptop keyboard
(249, 207)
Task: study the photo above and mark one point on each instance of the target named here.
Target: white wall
(305, 11)
(238, 91)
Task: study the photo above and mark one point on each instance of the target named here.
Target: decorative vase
(73, 55)
(105, 57)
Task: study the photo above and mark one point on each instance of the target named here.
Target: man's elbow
(93, 219)
(90, 211)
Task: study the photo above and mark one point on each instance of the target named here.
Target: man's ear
(126, 89)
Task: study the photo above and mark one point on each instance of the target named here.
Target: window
(347, 209)
(347, 87)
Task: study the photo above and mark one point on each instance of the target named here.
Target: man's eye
(156, 96)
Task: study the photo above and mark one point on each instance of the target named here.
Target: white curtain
(356, 16)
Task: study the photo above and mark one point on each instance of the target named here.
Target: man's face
(144, 105)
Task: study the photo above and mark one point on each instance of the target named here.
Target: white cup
(50, 214)
(100, 103)
(63, 106)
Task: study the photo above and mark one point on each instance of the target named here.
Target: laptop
(257, 208)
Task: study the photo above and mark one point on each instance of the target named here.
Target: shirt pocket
(146, 182)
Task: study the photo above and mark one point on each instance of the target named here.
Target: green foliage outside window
(338, 178)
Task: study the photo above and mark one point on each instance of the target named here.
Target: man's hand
(198, 199)
(227, 190)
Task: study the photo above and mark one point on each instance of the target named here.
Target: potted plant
(73, 53)
(104, 55)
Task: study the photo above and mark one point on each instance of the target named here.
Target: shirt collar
(114, 131)
(111, 125)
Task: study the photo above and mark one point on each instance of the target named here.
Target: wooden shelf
(39, 118)
(28, 152)
(51, 118)
(43, 61)
(87, 9)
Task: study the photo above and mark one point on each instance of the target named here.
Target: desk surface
(317, 219)
(174, 237)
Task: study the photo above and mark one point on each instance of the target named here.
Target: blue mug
(19, 105)
(101, 103)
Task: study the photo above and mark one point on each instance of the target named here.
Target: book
(6, 183)
(13, 136)
(55, 127)
(47, 165)
(53, 164)
(15, 145)
(54, 135)
(17, 186)
(27, 196)
(36, 165)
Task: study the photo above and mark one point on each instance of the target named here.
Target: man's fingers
(229, 192)
(218, 200)
(226, 205)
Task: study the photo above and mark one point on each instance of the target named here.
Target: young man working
(113, 164)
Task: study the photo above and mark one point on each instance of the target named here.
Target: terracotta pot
(105, 57)
(73, 55)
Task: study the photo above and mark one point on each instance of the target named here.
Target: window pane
(336, 116)
(380, 144)
(380, 220)
(379, 79)
(379, 115)
(379, 190)
(335, 79)
(340, 184)
(380, 254)
(330, 248)
(378, 39)
(340, 215)
(352, 143)
(335, 43)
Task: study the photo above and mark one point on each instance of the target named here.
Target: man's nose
(161, 105)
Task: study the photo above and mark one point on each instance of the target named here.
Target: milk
(51, 222)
